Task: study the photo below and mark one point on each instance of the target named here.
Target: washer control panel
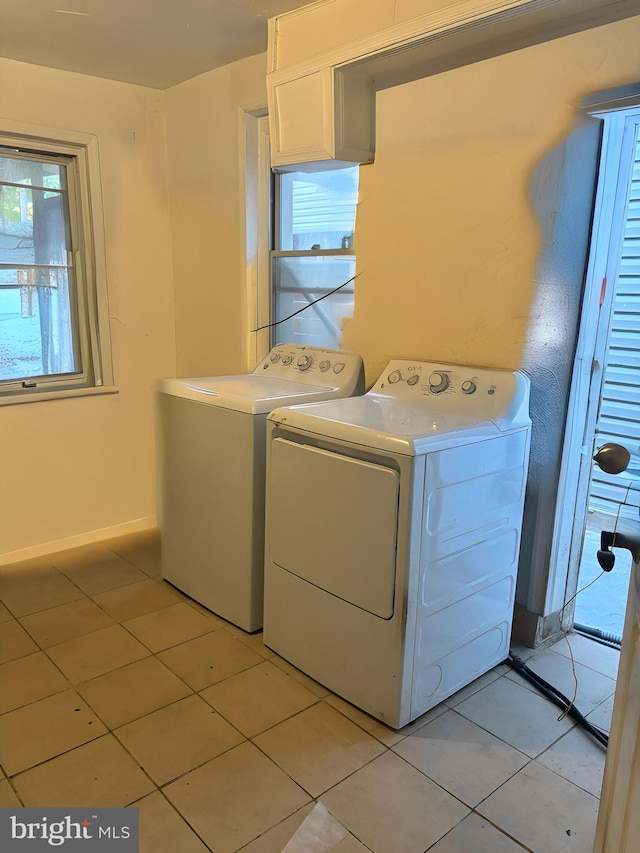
(315, 365)
(484, 392)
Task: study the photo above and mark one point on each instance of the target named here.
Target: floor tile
(100, 774)
(258, 698)
(578, 758)
(141, 549)
(99, 572)
(29, 587)
(81, 555)
(422, 720)
(4, 613)
(350, 844)
(275, 839)
(209, 659)
(94, 654)
(254, 641)
(170, 626)
(132, 691)
(375, 728)
(319, 689)
(44, 729)
(320, 830)
(66, 622)
(162, 830)
(14, 641)
(8, 798)
(517, 716)
(391, 807)
(136, 599)
(544, 812)
(235, 798)
(590, 653)
(593, 687)
(27, 680)
(523, 652)
(318, 747)
(478, 684)
(475, 835)
(601, 716)
(178, 738)
(461, 757)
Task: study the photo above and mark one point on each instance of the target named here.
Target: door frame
(618, 141)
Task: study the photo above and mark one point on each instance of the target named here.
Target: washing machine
(211, 469)
(393, 525)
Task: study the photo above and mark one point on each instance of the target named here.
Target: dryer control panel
(484, 393)
(315, 365)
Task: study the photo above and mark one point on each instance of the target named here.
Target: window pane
(35, 324)
(33, 226)
(35, 173)
(35, 302)
(298, 281)
(318, 211)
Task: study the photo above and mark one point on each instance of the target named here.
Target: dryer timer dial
(438, 382)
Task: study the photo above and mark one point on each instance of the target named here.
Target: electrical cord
(558, 698)
(305, 307)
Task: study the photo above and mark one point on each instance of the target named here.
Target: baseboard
(136, 526)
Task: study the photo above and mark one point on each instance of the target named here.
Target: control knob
(304, 362)
(468, 387)
(287, 359)
(275, 357)
(438, 382)
(413, 380)
(324, 365)
(338, 367)
(394, 376)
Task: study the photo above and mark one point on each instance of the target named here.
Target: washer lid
(251, 393)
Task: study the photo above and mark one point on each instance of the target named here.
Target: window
(313, 254)
(52, 288)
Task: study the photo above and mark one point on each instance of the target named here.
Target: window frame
(275, 252)
(89, 303)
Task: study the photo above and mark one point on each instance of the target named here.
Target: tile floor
(117, 690)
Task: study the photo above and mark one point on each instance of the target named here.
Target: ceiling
(155, 43)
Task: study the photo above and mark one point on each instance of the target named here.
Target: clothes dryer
(393, 525)
(211, 464)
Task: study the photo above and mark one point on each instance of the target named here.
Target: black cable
(558, 698)
(304, 307)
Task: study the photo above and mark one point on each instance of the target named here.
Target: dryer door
(333, 522)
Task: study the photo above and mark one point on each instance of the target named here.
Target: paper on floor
(319, 832)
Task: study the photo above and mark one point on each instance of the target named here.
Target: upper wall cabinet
(321, 110)
(321, 120)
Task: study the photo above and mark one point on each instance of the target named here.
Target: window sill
(41, 396)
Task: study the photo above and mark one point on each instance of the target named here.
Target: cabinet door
(321, 120)
(302, 125)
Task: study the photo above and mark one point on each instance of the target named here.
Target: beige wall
(447, 247)
(71, 467)
(204, 146)
(447, 240)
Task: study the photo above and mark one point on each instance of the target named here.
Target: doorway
(610, 344)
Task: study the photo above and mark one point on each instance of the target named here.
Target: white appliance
(211, 465)
(393, 527)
